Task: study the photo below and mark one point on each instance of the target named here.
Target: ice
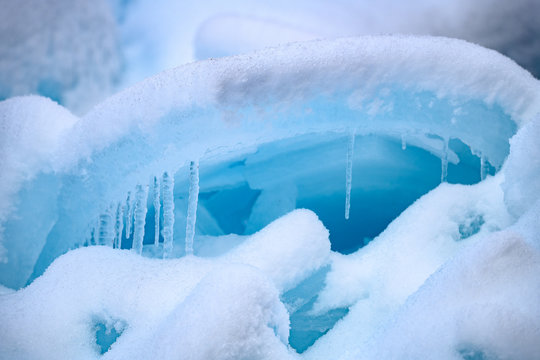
(192, 205)
(417, 259)
(129, 214)
(119, 226)
(141, 196)
(157, 207)
(348, 175)
(167, 184)
(444, 161)
(442, 75)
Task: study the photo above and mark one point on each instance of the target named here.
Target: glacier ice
(426, 269)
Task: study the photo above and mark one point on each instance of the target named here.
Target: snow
(521, 170)
(453, 275)
(483, 302)
(376, 280)
(194, 293)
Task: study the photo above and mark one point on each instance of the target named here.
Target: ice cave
(372, 197)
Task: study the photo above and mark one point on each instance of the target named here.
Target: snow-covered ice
(439, 257)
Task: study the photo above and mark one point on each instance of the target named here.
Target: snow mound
(163, 304)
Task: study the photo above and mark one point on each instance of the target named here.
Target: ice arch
(426, 92)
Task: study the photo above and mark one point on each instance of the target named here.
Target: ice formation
(348, 175)
(192, 205)
(441, 260)
(168, 214)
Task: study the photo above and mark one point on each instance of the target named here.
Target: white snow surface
(190, 307)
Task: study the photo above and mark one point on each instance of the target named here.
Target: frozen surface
(272, 132)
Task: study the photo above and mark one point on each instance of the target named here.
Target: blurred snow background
(78, 52)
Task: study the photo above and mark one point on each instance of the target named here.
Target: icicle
(444, 161)
(106, 232)
(129, 214)
(119, 226)
(157, 206)
(167, 185)
(483, 167)
(348, 174)
(192, 205)
(403, 142)
(141, 196)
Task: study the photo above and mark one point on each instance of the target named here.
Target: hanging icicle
(157, 208)
(192, 205)
(167, 185)
(129, 214)
(141, 197)
(444, 161)
(403, 142)
(348, 174)
(119, 226)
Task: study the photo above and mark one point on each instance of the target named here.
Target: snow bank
(482, 304)
(521, 171)
(32, 131)
(191, 307)
(376, 280)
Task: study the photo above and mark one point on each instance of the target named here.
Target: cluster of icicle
(132, 213)
(444, 166)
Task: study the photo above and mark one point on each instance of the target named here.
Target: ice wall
(454, 276)
(427, 88)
